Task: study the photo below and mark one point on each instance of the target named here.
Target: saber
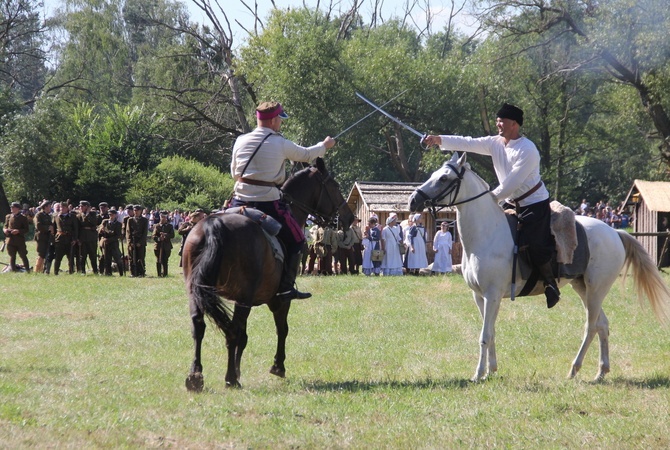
(368, 115)
(407, 127)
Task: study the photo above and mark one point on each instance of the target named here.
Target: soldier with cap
(67, 235)
(15, 229)
(129, 214)
(110, 234)
(103, 208)
(517, 165)
(258, 168)
(186, 227)
(88, 237)
(43, 234)
(136, 237)
(162, 236)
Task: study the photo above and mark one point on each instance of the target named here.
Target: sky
(235, 10)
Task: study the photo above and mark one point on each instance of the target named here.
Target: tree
(624, 39)
(178, 182)
(22, 69)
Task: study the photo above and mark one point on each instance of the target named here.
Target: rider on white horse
(516, 161)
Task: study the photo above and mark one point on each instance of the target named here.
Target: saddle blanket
(570, 256)
(269, 225)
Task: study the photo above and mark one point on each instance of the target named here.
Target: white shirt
(268, 163)
(517, 164)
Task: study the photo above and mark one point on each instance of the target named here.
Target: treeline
(133, 102)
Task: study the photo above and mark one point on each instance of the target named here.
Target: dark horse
(228, 255)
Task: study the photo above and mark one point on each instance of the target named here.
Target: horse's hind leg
(195, 381)
(236, 342)
(596, 322)
(280, 312)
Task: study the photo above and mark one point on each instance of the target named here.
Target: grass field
(98, 362)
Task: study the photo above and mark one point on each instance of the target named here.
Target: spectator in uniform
(110, 235)
(16, 227)
(43, 234)
(88, 237)
(162, 235)
(67, 234)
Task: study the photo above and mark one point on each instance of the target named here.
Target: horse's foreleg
(280, 311)
(488, 308)
(236, 343)
(195, 381)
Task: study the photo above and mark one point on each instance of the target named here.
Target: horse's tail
(646, 277)
(205, 272)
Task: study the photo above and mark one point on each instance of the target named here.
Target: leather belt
(257, 182)
(529, 193)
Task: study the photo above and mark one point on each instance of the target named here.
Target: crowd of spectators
(615, 217)
(78, 231)
(393, 249)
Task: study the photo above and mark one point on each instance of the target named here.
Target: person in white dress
(416, 255)
(442, 247)
(391, 237)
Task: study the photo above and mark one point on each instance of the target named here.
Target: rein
(452, 187)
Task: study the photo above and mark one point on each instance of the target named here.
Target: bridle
(319, 217)
(451, 188)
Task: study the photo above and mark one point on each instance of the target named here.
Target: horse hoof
(195, 382)
(233, 385)
(573, 372)
(281, 373)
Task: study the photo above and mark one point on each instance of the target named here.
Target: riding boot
(287, 290)
(550, 288)
(165, 270)
(159, 266)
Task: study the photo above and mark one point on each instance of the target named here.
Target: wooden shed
(384, 198)
(650, 204)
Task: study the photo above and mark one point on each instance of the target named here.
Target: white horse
(487, 261)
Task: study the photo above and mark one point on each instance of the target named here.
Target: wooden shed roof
(381, 196)
(656, 194)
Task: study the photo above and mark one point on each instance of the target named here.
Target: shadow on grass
(363, 386)
(653, 382)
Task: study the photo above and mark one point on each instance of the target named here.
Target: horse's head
(443, 186)
(313, 191)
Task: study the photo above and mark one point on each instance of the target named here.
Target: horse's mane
(469, 169)
(297, 176)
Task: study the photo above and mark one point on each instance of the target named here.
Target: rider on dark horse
(258, 170)
(517, 165)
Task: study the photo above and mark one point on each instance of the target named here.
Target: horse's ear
(321, 166)
(454, 158)
(462, 159)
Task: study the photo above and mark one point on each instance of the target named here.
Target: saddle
(269, 225)
(569, 258)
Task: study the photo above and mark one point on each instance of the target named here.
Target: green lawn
(98, 362)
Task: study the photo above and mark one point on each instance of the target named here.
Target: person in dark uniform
(88, 237)
(43, 234)
(257, 167)
(162, 236)
(110, 234)
(103, 208)
(67, 234)
(186, 227)
(16, 227)
(137, 228)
